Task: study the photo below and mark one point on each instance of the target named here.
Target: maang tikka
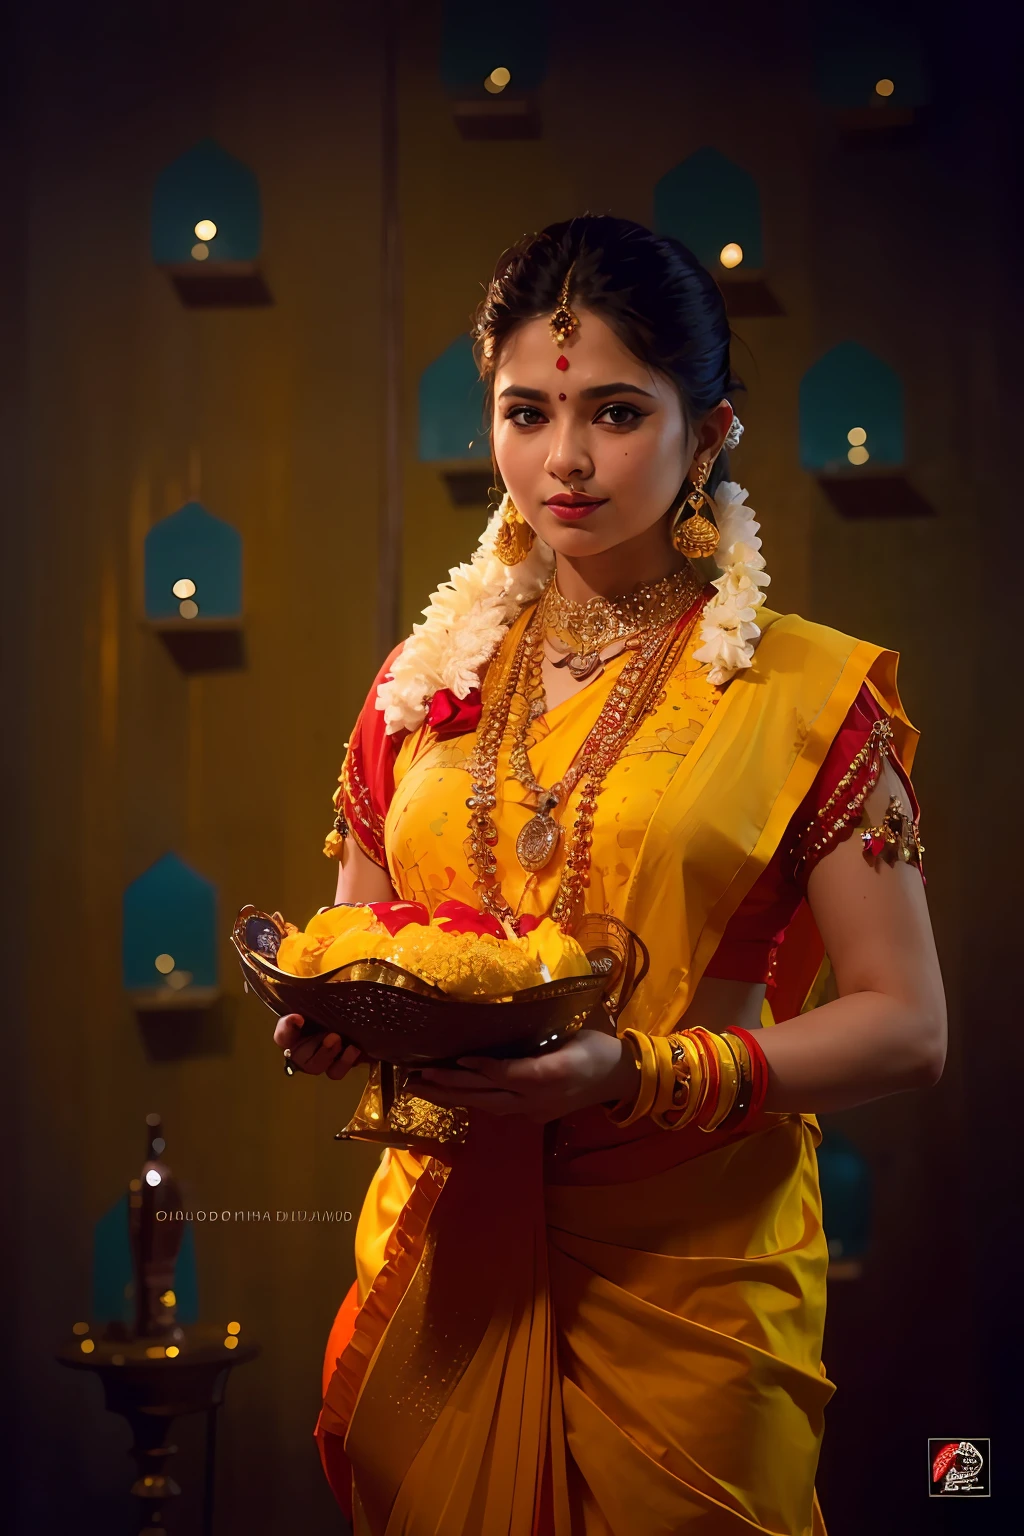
(695, 536)
(563, 322)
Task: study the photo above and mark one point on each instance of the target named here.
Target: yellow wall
(124, 404)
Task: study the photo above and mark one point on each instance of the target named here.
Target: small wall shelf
(491, 71)
(870, 71)
(169, 939)
(193, 589)
(206, 227)
(450, 420)
(714, 207)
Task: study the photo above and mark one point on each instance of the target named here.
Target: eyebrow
(595, 392)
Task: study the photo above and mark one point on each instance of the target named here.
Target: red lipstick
(570, 509)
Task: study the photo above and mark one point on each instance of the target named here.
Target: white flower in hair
(729, 629)
(463, 625)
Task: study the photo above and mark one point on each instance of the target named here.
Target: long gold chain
(637, 691)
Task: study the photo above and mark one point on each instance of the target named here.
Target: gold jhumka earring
(695, 535)
(515, 536)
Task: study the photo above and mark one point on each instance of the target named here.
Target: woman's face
(607, 423)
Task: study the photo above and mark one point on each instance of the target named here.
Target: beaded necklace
(638, 690)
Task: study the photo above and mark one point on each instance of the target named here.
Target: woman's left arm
(886, 1031)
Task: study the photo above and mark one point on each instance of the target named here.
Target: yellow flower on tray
(558, 952)
(456, 949)
(464, 964)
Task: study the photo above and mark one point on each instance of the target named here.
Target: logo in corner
(960, 1467)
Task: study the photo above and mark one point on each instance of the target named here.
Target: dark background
(119, 404)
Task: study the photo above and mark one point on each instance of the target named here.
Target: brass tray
(400, 1021)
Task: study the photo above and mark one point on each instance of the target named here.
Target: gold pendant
(538, 840)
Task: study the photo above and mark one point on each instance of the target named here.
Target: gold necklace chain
(638, 690)
(586, 628)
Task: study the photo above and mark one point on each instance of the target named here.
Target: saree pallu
(579, 1330)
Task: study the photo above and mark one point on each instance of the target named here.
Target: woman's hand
(316, 1053)
(591, 1068)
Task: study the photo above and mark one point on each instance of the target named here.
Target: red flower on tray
(459, 917)
(451, 716)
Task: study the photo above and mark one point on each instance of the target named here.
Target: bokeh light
(206, 229)
(856, 436)
(200, 252)
(164, 964)
(87, 1346)
(858, 455)
(234, 1327)
(884, 87)
(184, 588)
(497, 80)
(152, 1178)
(731, 255)
(231, 1342)
(189, 608)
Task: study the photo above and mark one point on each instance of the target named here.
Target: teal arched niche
(194, 545)
(856, 50)
(708, 202)
(112, 1296)
(846, 1186)
(451, 403)
(206, 183)
(475, 39)
(849, 388)
(169, 911)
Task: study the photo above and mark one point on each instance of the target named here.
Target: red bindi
(561, 397)
(563, 362)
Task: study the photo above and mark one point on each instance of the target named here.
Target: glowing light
(189, 608)
(200, 252)
(731, 255)
(87, 1346)
(80, 1328)
(497, 80)
(230, 1342)
(884, 87)
(164, 963)
(206, 229)
(172, 1351)
(153, 1178)
(184, 588)
(856, 436)
(168, 1299)
(179, 979)
(158, 1144)
(155, 1352)
(234, 1327)
(858, 455)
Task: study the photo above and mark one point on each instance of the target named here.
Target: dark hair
(651, 289)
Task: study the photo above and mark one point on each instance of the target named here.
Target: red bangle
(759, 1072)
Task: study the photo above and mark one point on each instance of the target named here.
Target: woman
(602, 1314)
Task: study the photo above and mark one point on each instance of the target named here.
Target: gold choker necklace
(584, 629)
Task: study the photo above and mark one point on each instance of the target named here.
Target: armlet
(895, 837)
(355, 815)
(844, 807)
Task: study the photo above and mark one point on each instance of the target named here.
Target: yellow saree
(578, 1330)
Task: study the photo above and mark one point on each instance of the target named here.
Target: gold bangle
(620, 1114)
(738, 1046)
(665, 1089)
(688, 1087)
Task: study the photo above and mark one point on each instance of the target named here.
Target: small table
(150, 1388)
